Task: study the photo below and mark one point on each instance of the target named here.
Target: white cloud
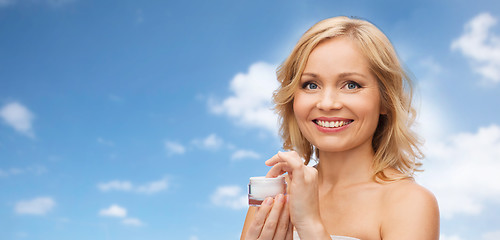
(211, 142)
(36, 206)
(462, 171)
(35, 169)
(230, 196)
(139, 16)
(19, 117)
(243, 154)
(53, 3)
(127, 186)
(132, 222)
(251, 105)
(446, 237)
(193, 237)
(115, 185)
(4, 3)
(22, 235)
(153, 187)
(432, 66)
(486, 236)
(115, 98)
(9, 172)
(491, 235)
(120, 212)
(174, 148)
(432, 121)
(114, 211)
(105, 142)
(481, 46)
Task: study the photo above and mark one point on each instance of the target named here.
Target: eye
(352, 85)
(310, 86)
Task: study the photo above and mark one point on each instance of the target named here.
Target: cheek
(372, 114)
(299, 107)
(368, 106)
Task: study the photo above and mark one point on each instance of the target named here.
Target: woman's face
(337, 104)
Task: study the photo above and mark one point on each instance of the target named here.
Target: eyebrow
(342, 75)
(309, 74)
(347, 74)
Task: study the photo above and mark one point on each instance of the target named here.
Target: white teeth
(332, 124)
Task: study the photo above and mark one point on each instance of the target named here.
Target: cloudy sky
(145, 119)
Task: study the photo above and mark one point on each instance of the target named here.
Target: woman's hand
(272, 221)
(303, 190)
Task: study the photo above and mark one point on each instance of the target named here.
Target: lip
(331, 119)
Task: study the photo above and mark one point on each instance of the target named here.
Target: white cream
(260, 188)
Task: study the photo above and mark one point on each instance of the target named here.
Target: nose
(329, 100)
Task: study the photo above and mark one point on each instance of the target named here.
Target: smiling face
(337, 103)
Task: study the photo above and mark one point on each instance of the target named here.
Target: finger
(272, 219)
(278, 157)
(273, 160)
(278, 169)
(291, 157)
(284, 162)
(260, 218)
(283, 222)
(289, 232)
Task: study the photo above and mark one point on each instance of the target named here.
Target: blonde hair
(394, 143)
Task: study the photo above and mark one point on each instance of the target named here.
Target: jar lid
(266, 179)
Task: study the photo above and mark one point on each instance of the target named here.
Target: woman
(345, 100)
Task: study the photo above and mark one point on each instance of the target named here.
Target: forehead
(336, 55)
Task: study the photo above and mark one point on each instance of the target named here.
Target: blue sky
(145, 119)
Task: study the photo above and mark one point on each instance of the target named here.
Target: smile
(332, 124)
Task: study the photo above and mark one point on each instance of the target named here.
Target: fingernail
(280, 198)
(268, 201)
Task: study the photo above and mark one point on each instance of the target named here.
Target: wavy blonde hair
(394, 143)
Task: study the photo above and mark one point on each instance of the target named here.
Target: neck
(345, 168)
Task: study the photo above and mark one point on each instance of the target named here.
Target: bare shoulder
(408, 193)
(411, 212)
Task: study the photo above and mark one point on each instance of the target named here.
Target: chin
(330, 148)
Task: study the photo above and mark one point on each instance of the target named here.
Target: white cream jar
(260, 188)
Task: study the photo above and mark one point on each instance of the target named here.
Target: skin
(339, 196)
